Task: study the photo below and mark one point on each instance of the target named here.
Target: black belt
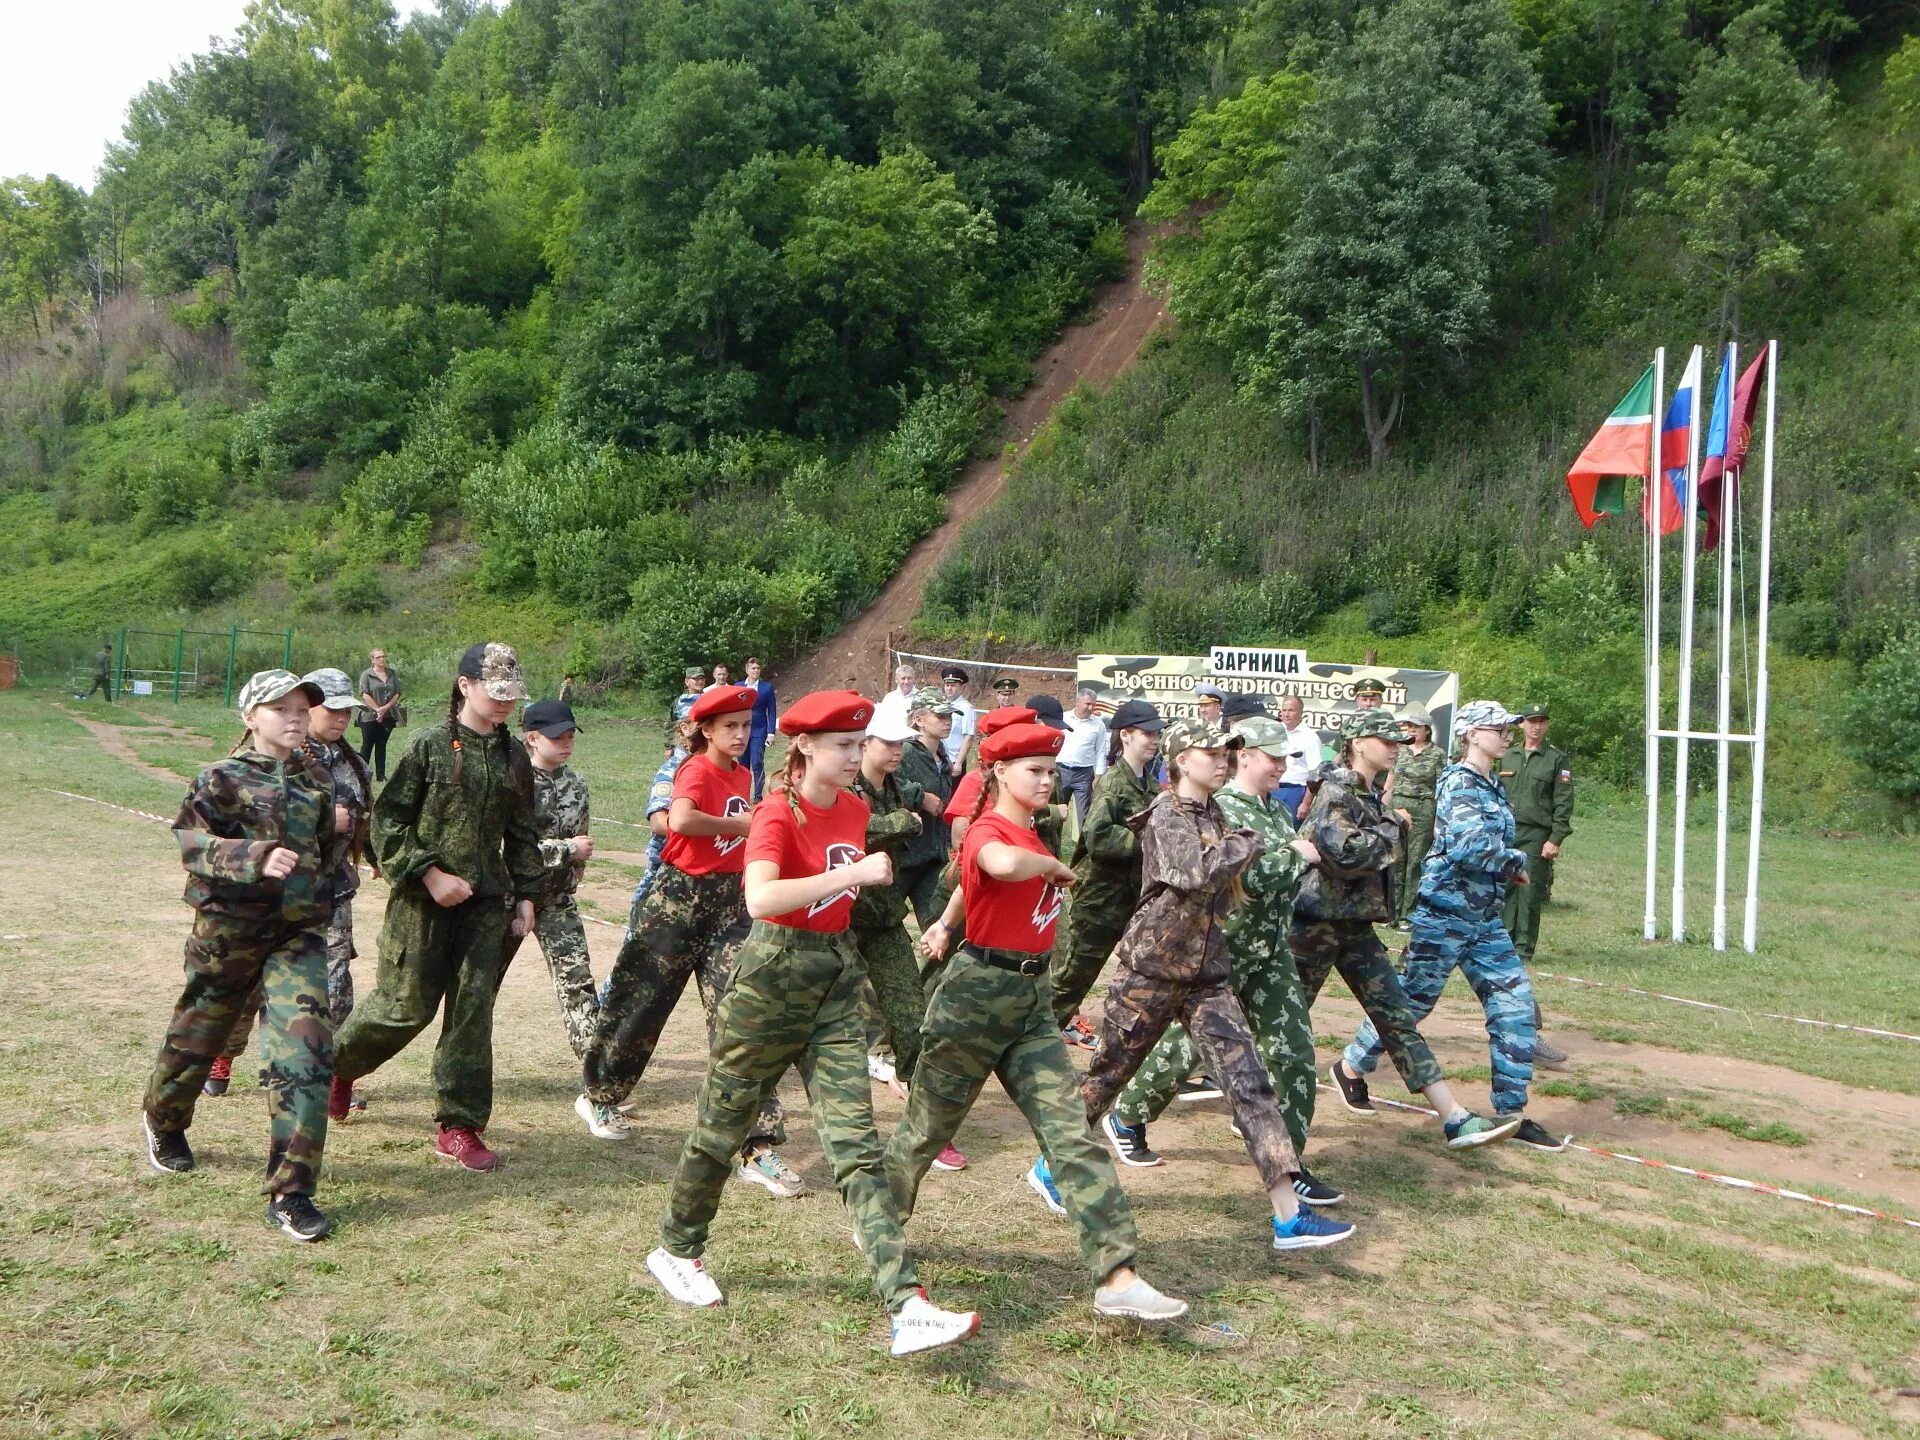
(1021, 962)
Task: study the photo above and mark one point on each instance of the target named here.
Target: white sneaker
(880, 1068)
(628, 1107)
(605, 1122)
(921, 1325)
(685, 1280)
(1139, 1301)
(765, 1167)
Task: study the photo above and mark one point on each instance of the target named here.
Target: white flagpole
(1650, 921)
(1725, 714)
(1683, 721)
(1750, 931)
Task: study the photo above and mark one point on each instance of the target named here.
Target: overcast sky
(69, 67)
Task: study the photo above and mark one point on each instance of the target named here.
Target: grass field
(1503, 1293)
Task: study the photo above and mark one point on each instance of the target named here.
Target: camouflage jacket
(1257, 929)
(1473, 855)
(895, 819)
(1359, 840)
(353, 788)
(1106, 857)
(238, 811)
(919, 768)
(480, 829)
(1415, 776)
(676, 716)
(1189, 857)
(560, 812)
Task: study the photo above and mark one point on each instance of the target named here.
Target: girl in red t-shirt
(691, 921)
(795, 1000)
(992, 1014)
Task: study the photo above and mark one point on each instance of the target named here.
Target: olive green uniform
(1539, 786)
(1106, 866)
(878, 926)
(1414, 779)
(918, 865)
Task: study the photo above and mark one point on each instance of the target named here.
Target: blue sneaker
(1308, 1230)
(1040, 1181)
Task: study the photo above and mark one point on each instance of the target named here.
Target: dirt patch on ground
(115, 744)
(1123, 315)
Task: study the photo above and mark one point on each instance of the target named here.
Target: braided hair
(788, 783)
(989, 794)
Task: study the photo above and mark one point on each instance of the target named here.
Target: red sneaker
(949, 1159)
(465, 1146)
(217, 1078)
(339, 1095)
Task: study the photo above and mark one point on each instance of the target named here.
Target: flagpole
(1722, 773)
(1656, 499)
(1750, 930)
(1684, 720)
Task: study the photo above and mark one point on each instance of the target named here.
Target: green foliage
(1883, 729)
(358, 589)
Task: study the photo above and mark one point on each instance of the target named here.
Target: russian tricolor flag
(1674, 431)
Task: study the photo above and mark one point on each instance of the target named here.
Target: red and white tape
(123, 809)
(1726, 1009)
(1733, 1181)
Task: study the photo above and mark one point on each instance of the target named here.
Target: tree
(1751, 166)
(43, 246)
(1416, 163)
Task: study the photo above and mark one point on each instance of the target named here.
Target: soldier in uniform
(1106, 862)
(1409, 790)
(1172, 965)
(990, 1015)
(1004, 689)
(1345, 894)
(1456, 924)
(454, 833)
(563, 815)
(259, 840)
(1368, 694)
(1261, 971)
(923, 763)
(693, 686)
(794, 1001)
(102, 674)
(1539, 786)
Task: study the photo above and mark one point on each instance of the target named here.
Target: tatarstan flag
(1621, 447)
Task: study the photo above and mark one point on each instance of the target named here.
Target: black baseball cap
(552, 718)
(1047, 710)
(1137, 715)
(1239, 707)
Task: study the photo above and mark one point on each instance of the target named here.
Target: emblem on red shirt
(1046, 909)
(727, 844)
(839, 856)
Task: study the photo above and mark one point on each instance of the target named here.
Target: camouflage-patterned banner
(1325, 689)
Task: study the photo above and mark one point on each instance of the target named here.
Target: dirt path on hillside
(110, 739)
(1123, 315)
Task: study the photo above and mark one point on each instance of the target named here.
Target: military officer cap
(1016, 742)
(335, 688)
(1369, 686)
(1374, 725)
(1006, 683)
(827, 712)
(1535, 711)
(497, 669)
(271, 685)
(552, 718)
(1137, 715)
(1482, 715)
(723, 700)
(1262, 732)
(1207, 690)
(954, 672)
(928, 698)
(1198, 734)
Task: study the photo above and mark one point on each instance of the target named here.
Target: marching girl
(794, 1000)
(259, 842)
(693, 919)
(991, 1014)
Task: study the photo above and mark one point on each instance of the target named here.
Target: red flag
(1721, 470)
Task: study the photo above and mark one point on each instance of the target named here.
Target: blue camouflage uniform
(1456, 923)
(659, 798)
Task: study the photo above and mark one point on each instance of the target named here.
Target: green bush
(1807, 627)
(1400, 606)
(1883, 733)
(358, 589)
(204, 569)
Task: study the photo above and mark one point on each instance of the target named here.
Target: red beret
(722, 700)
(994, 721)
(826, 710)
(1016, 742)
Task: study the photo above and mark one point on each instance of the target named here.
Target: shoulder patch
(1566, 776)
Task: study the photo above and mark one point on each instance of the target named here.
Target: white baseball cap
(890, 726)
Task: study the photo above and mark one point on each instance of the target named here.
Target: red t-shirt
(966, 795)
(829, 840)
(714, 792)
(1007, 914)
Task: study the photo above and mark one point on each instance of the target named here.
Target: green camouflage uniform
(917, 867)
(251, 932)
(1414, 778)
(1341, 900)
(1261, 975)
(561, 812)
(1539, 785)
(483, 831)
(878, 926)
(793, 1000)
(1106, 864)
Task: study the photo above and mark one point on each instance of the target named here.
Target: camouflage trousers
(1138, 1010)
(1481, 951)
(434, 957)
(226, 963)
(1089, 940)
(563, 941)
(340, 954)
(1269, 993)
(1350, 946)
(792, 1001)
(898, 990)
(1521, 913)
(1413, 856)
(984, 1021)
(920, 882)
(687, 927)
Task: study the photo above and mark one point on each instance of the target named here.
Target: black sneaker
(1129, 1142)
(1353, 1091)
(1540, 1139)
(298, 1217)
(167, 1150)
(1315, 1191)
(1200, 1087)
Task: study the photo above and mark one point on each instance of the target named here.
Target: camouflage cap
(693, 672)
(928, 698)
(1374, 725)
(1198, 734)
(497, 669)
(1263, 733)
(270, 685)
(335, 688)
(1482, 715)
